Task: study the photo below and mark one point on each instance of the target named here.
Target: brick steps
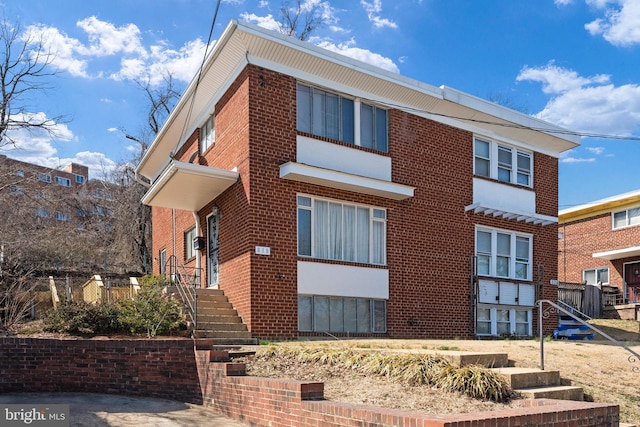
(218, 321)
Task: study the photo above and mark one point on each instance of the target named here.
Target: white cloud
(577, 160)
(596, 150)
(562, 2)
(363, 55)
(267, 22)
(586, 104)
(105, 39)
(373, 10)
(620, 25)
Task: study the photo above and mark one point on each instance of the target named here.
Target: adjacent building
(328, 196)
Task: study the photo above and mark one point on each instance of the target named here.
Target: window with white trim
(503, 253)
(65, 182)
(321, 313)
(63, 216)
(334, 230)
(594, 275)
(162, 260)
(334, 116)
(503, 321)
(44, 177)
(189, 236)
(626, 218)
(207, 134)
(79, 179)
(501, 162)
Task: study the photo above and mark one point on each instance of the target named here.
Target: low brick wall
(135, 367)
(174, 369)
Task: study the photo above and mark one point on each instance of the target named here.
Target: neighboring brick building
(336, 197)
(600, 242)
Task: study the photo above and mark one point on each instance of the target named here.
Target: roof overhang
(242, 43)
(344, 181)
(599, 207)
(188, 187)
(633, 251)
(532, 218)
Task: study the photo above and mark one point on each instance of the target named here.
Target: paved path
(106, 410)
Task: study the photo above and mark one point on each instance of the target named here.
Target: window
(510, 165)
(501, 320)
(340, 231)
(319, 313)
(63, 216)
(44, 177)
(42, 213)
(207, 134)
(20, 173)
(162, 260)
(626, 218)
(65, 182)
(595, 275)
(503, 254)
(334, 116)
(79, 179)
(189, 236)
(16, 189)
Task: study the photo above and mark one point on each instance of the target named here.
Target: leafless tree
(300, 20)
(160, 100)
(24, 69)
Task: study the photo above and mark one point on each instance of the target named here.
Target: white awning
(533, 218)
(344, 181)
(618, 253)
(187, 186)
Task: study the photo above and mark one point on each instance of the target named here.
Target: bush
(152, 311)
(83, 318)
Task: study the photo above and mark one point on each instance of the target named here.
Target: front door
(212, 251)
(632, 281)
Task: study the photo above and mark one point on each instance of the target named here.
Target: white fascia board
(333, 179)
(618, 253)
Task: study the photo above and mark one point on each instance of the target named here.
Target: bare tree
(24, 69)
(300, 20)
(160, 101)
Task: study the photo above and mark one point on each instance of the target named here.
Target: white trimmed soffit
(618, 253)
(534, 218)
(344, 181)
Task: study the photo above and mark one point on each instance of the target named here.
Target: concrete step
(207, 311)
(488, 360)
(220, 327)
(230, 336)
(217, 318)
(211, 308)
(209, 291)
(213, 299)
(521, 378)
(562, 392)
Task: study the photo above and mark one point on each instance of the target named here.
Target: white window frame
(369, 323)
(189, 236)
(354, 136)
(629, 221)
(513, 260)
(60, 180)
(512, 322)
(377, 218)
(80, 179)
(63, 216)
(44, 177)
(162, 260)
(516, 174)
(597, 274)
(208, 134)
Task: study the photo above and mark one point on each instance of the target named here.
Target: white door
(212, 250)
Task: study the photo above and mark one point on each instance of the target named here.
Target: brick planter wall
(174, 369)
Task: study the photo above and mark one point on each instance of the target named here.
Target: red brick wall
(582, 238)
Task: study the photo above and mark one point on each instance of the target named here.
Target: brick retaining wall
(174, 369)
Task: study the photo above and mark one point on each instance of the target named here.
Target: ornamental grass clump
(475, 381)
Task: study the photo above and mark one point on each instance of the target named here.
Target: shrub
(83, 318)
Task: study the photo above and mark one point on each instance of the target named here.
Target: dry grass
(604, 371)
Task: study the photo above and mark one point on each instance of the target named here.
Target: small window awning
(345, 181)
(511, 214)
(188, 187)
(618, 253)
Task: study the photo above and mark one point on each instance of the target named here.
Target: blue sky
(572, 62)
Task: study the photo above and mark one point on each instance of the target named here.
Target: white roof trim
(345, 181)
(515, 215)
(618, 253)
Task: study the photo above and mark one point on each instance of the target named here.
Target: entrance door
(632, 281)
(212, 250)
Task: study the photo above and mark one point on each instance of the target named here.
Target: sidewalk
(105, 410)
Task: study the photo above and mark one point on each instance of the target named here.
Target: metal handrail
(575, 310)
(632, 359)
(179, 277)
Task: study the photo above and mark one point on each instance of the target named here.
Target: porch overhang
(344, 181)
(633, 251)
(512, 215)
(188, 187)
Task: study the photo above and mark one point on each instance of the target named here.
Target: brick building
(599, 242)
(335, 197)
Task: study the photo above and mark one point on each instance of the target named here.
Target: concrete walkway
(106, 410)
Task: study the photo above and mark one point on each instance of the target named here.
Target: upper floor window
(626, 218)
(44, 177)
(65, 182)
(189, 237)
(334, 116)
(594, 275)
(207, 134)
(20, 173)
(503, 163)
(42, 213)
(63, 216)
(503, 254)
(341, 231)
(79, 179)
(16, 189)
